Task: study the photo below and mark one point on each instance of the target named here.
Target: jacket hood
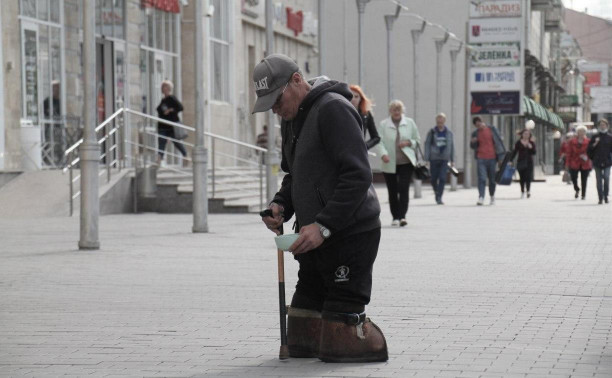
(321, 85)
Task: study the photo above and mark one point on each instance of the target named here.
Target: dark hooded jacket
(328, 179)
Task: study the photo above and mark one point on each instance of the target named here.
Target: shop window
(219, 51)
(158, 58)
(42, 85)
(110, 18)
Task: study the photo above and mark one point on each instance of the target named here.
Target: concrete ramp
(35, 194)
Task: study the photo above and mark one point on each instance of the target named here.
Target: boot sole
(374, 358)
(301, 353)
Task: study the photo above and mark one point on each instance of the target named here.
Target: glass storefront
(42, 86)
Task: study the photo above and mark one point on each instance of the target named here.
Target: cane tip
(283, 354)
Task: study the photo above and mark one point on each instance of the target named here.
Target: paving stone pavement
(519, 289)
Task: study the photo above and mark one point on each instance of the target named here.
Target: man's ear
(296, 78)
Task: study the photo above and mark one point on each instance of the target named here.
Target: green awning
(537, 112)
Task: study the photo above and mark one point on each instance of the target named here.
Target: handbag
(506, 177)
(420, 169)
(566, 177)
(179, 132)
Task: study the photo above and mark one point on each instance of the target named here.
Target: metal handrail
(120, 160)
(212, 135)
(98, 128)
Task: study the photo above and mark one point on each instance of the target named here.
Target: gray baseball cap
(270, 77)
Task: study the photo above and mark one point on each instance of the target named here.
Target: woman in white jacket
(397, 148)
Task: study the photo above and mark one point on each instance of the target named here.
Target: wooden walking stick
(283, 354)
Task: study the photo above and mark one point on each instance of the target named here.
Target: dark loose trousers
(526, 177)
(584, 175)
(168, 132)
(338, 276)
(438, 170)
(398, 186)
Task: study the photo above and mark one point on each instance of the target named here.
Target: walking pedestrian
(488, 149)
(364, 108)
(600, 152)
(578, 160)
(399, 140)
(329, 188)
(168, 109)
(525, 148)
(440, 153)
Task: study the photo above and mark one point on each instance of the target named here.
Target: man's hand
(406, 143)
(309, 239)
(475, 139)
(168, 111)
(596, 141)
(276, 221)
(385, 158)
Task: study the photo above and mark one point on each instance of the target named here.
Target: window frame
(227, 29)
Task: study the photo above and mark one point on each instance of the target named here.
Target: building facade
(139, 43)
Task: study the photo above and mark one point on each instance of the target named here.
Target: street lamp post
(361, 4)
(200, 154)
(90, 150)
(272, 158)
(416, 33)
(389, 20)
(439, 45)
(453, 54)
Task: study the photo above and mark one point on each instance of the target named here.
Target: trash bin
(147, 181)
(30, 146)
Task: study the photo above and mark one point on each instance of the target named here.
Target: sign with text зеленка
(495, 76)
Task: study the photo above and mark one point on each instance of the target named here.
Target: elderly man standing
(328, 187)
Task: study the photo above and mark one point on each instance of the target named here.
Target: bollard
(417, 188)
(453, 182)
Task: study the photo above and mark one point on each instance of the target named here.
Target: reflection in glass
(28, 8)
(43, 10)
(55, 11)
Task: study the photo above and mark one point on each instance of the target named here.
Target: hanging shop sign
(495, 102)
(495, 78)
(495, 30)
(591, 79)
(505, 54)
(569, 100)
(502, 8)
(568, 116)
(164, 5)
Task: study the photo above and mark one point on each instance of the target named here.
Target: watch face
(325, 232)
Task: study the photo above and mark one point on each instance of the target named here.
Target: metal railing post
(212, 142)
(70, 187)
(107, 150)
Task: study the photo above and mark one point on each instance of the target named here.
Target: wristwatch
(325, 232)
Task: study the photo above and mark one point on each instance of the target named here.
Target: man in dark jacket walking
(328, 187)
(600, 152)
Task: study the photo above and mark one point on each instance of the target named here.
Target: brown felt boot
(303, 332)
(351, 338)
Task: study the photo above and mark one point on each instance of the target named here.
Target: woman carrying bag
(525, 148)
(397, 148)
